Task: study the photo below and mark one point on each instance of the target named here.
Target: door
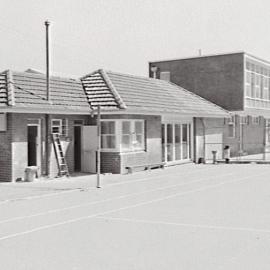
(32, 138)
(77, 148)
(176, 142)
(89, 149)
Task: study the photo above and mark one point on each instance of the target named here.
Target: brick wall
(252, 137)
(14, 146)
(67, 143)
(216, 78)
(217, 131)
(110, 162)
(5, 152)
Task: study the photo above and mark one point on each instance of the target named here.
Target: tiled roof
(110, 90)
(152, 95)
(29, 91)
(100, 91)
(3, 90)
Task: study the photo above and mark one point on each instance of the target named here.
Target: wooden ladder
(59, 154)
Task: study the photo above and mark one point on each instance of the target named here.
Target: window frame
(63, 128)
(109, 134)
(232, 123)
(256, 120)
(119, 133)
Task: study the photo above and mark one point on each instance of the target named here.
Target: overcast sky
(123, 35)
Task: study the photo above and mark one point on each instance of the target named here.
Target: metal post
(98, 147)
(47, 24)
(264, 138)
(47, 118)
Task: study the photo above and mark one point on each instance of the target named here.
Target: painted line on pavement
(196, 226)
(107, 200)
(93, 188)
(70, 221)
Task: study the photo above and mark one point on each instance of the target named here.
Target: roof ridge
(36, 75)
(10, 88)
(116, 95)
(130, 75)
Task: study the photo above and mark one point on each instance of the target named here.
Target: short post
(98, 147)
(214, 157)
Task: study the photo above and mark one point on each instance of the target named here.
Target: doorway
(32, 139)
(176, 142)
(77, 148)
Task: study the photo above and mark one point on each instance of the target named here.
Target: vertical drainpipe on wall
(47, 117)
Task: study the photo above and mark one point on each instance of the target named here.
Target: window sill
(132, 152)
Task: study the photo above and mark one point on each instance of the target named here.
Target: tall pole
(47, 118)
(98, 147)
(47, 24)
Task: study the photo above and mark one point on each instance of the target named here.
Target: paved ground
(184, 217)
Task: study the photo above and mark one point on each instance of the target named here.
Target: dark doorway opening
(77, 148)
(32, 134)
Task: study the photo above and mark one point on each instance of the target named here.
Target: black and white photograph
(134, 135)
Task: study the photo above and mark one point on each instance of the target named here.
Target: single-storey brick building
(143, 121)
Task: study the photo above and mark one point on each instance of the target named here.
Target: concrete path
(184, 217)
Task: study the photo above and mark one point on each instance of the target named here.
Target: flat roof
(212, 55)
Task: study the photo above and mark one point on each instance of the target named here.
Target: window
(56, 126)
(258, 86)
(262, 86)
(248, 84)
(126, 135)
(132, 133)
(108, 135)
(59, 126)
(256, 120)
(231, 131)
(122, 135)
(244, 120)
(252, 85)
(139, 135)
(64, 127)
(231, 127)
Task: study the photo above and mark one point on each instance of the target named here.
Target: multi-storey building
(238, 82)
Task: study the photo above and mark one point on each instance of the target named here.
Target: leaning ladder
(59, 154)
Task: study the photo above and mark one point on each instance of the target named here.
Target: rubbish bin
(30, 173)
(214, 157)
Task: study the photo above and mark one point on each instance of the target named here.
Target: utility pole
(98, 146)
(47, 24)
(47, 118)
